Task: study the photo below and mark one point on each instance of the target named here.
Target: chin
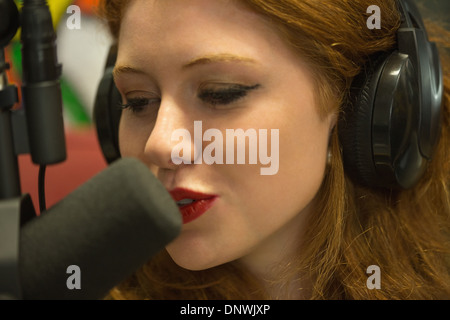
(193, 262)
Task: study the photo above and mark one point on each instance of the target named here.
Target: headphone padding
(107, 110)
(355, 126)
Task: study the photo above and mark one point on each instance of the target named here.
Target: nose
(163, 145)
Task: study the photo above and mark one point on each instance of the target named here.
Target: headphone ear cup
(432, 84)
(379, 132)
(107, 111)
(355, 125)
(396, 125)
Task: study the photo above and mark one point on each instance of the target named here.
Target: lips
(192, 204)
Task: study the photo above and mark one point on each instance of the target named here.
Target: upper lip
(182, 193)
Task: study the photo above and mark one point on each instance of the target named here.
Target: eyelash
(225, 96)
(213, 97)
(138, 104)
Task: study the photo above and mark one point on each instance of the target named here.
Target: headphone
(390, 126)
(107, 110)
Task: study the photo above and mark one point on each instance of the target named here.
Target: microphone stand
(17, 209)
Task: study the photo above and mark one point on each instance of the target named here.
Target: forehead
(175, 27)
(152, 14)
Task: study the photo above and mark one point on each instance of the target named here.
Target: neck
(274, 261)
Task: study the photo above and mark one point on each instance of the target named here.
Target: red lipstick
(192, 204)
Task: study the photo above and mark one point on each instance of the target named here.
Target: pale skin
(171, 50)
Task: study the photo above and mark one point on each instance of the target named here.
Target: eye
(138, 105)
(216, 94)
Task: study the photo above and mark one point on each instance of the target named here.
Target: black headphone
(107, 110)
(390, 126)
(392, 123)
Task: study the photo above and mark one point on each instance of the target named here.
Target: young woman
(281, 71)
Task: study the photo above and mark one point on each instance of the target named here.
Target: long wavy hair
(405, 233)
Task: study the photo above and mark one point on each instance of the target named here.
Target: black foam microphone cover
(108, 228)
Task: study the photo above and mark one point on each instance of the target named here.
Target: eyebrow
(207, 59)
(222, 57)
(118, 70)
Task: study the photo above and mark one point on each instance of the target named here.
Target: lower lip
(196, 209)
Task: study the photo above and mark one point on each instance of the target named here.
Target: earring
(329, 157)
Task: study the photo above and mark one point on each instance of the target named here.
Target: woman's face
(218, 65)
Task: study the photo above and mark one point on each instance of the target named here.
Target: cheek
(132, 137)
(262, 204)
(302, 160)
(273, 200)
(303, 152)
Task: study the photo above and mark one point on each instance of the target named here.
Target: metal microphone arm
(11, 207)
(38, 128)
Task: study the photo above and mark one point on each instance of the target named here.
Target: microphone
(107, 228)
(41, 85)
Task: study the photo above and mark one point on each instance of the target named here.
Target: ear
(332, 120)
